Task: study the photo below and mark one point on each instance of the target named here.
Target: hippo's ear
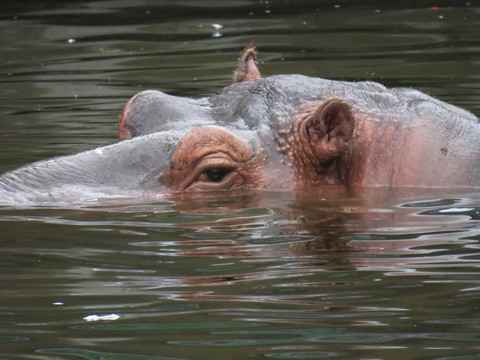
(329, 129)
(247, 66)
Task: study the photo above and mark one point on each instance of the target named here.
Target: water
(278, 275)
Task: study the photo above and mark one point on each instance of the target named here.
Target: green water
(272, 275)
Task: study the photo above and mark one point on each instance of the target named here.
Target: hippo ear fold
(247, 66)
(329, 129)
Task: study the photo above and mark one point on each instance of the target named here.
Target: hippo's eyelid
(214, 178)
(215, 169)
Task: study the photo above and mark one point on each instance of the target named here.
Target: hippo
(276, 132)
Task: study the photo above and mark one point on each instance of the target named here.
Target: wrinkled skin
(291, 131)
(281, 132)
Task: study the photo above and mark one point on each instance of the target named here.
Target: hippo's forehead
(259, 106)
(156, 112)
(253, 105)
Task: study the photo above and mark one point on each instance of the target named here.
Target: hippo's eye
(216, 175)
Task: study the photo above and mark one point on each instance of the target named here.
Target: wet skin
(292, 131)
(280, 132)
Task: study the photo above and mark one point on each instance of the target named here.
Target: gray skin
(119, 171)
(399, 137)
(441, 140)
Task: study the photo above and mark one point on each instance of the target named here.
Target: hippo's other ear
(247, 66)
(329, 129)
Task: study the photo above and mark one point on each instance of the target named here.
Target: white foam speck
(108, 317)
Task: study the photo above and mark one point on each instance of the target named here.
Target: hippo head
(279, 132)
(256, 133)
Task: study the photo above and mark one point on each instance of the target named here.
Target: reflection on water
(277, 274)
(223, 276)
